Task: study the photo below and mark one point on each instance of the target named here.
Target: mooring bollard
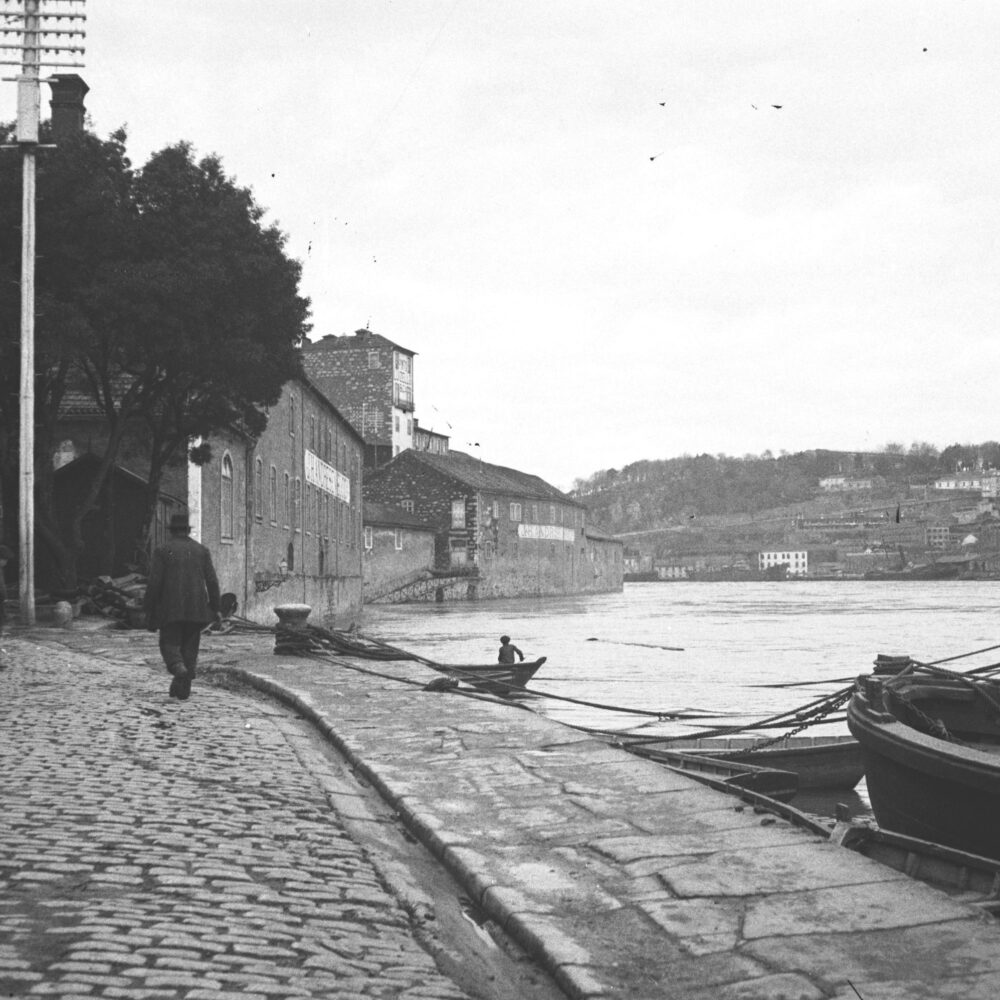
(291, 628)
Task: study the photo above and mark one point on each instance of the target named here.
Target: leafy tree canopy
(161, 293)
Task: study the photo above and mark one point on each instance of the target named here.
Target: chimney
(68, 92)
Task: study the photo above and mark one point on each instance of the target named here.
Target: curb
(562, 958)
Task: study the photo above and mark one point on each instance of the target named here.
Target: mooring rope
(318, 643)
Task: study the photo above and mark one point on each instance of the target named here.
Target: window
(273, 495)
(552, 513)
(409, 426)
(368, 538)
(515, 512)
(291, 416)
(458, 513)
(399, 540)
(286, 502)
(407, 505)
(374, 361)
(307, 513)
(312, 433)
(297, 505)
(395, 422)
(534, 513)
(258, 490)
(226, 497)
(496, 508)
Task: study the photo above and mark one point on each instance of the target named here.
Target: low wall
(335, 601)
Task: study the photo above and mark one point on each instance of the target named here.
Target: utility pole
(41, 33)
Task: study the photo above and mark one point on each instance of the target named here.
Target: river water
(727, 642)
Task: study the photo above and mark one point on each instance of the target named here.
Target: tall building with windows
(510, 533)
(371, 381)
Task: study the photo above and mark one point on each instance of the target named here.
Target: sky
(612, 231)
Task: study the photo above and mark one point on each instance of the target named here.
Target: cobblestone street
(157, 849)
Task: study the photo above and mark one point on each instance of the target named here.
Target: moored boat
(931, 748)
(819, 761)
(496, 678)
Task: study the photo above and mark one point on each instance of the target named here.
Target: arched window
(297, 505)
(273, 495)
(226, 497)
(286, 502)
(258, 490)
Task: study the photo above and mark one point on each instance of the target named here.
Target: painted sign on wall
(546, 532)
(326, 477)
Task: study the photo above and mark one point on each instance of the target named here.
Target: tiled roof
(386, 514)
(360, 339)
(491, 478)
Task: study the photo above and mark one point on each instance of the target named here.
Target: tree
(178, 311)
(83, 210)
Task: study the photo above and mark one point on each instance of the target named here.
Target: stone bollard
(290, 634)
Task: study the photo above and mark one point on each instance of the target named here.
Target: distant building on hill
(796, 561)
(987, 483)
(844, 484)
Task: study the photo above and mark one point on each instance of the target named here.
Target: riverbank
(620, 877)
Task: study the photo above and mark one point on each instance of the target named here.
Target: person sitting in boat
(507, 651)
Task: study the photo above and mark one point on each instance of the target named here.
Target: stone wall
(385, 567)
(362, 393)
(290, 540)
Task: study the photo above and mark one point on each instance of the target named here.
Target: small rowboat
(819, 761)
(775, 784)
(495, 678)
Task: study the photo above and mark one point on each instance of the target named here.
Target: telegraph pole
(44, 33)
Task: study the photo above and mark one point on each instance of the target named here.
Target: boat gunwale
(905, 745)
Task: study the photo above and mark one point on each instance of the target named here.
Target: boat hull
(925, 786)
(820, 762)
(496, 678)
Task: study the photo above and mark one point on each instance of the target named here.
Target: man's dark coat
(182, 584)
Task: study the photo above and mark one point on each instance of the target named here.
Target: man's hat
(179, 522)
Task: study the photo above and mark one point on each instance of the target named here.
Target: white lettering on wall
(546, 532)
(327, 478)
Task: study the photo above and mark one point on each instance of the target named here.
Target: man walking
(182, 597)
